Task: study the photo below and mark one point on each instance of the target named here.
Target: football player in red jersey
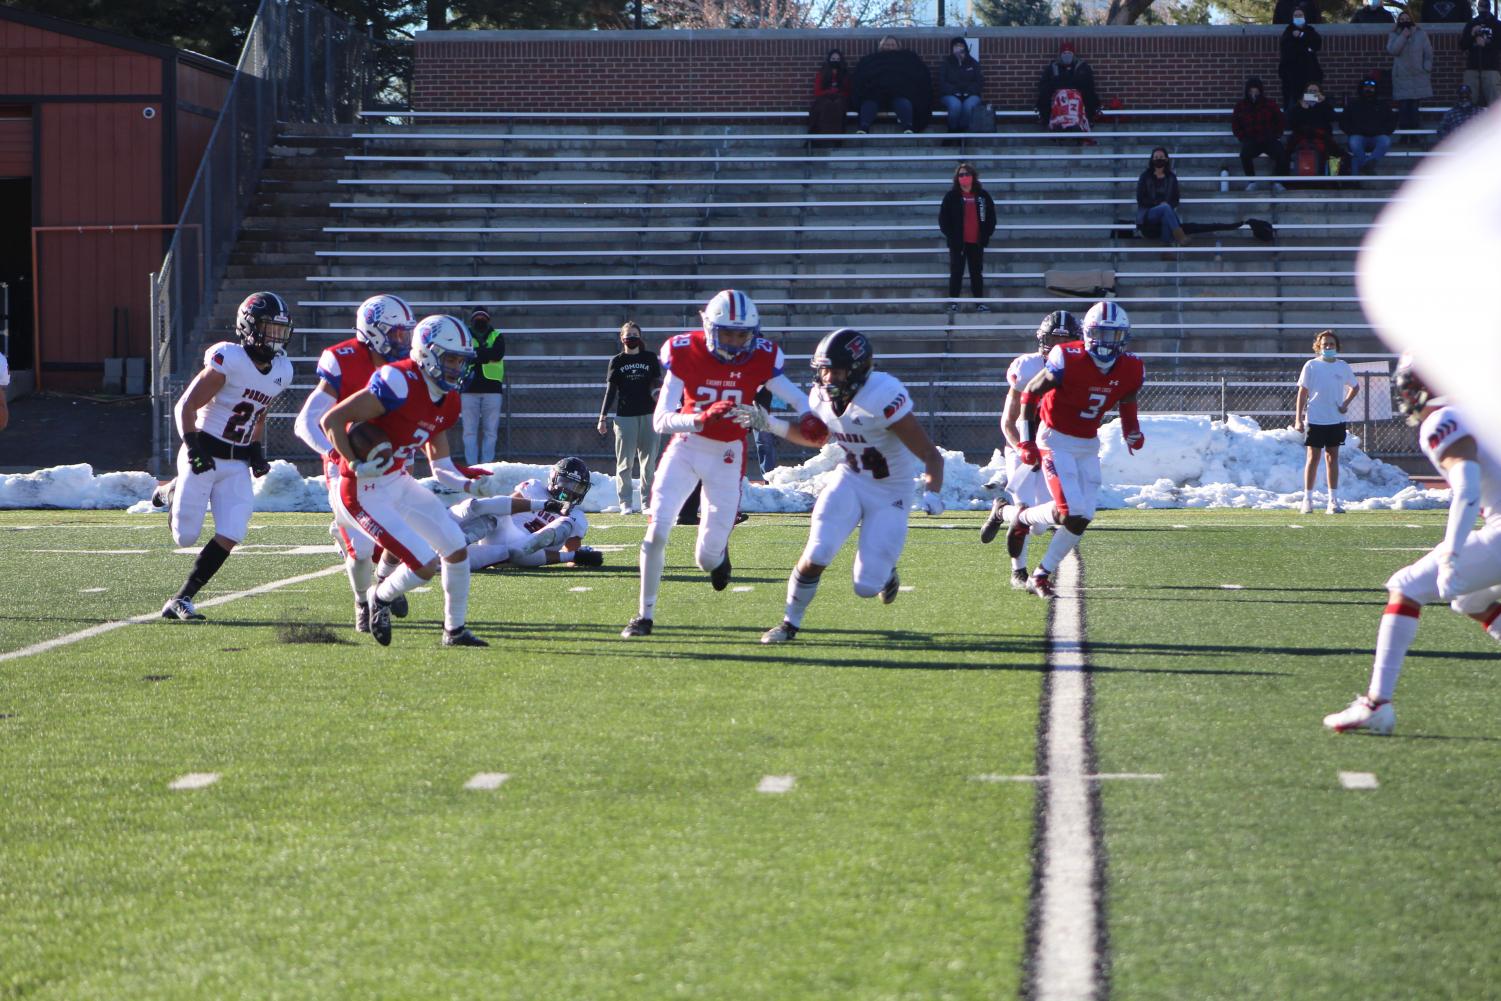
(708, 372)
(414, 401)
(382, 334)
(1079, 384)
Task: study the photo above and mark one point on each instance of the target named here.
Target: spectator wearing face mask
(1464, 109)
(960, 84)
(1369, 123)
(896, 78)
(1312, 124)
(1157, 198)
(482, 397)
(1282, 13)
(1066, 96)
(1372, 13)
(1481, 42)
(1258, 123)
(1446, 11)
(967, 220)
(1298, 58)
(831, 95)
(1412, 69)
(631, 384)
(1325, 388)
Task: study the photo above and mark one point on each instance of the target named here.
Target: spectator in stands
(1369, 123)
(1312, 124)
(1285, 10)
(967, 220)
(1372, 13)
(1298, 60)
(1259, 124)
(1325, 388)
(1481, 42)
(1446, 11)
(1066, 95)
(1463, 110)
(960, 84)
(1412, 69)
(896, 78)
(1157, 197)
(482, 398)
(831, 95)
(4, 382)
(631, 384)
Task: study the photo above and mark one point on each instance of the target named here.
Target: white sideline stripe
(776, 783)
(195, 780)
(1232, 587)
(486, 781)
(96, 552)
(1098, 777)
(91, 590)
(1359, 780)
(107, 627)
(1066, 940)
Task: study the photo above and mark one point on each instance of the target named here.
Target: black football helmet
(1058, 327)
(264, 325)
(568, 480)
(1413, 394)
(850, 350)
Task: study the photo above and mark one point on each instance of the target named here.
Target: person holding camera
(1298, 58)
(1481, 42)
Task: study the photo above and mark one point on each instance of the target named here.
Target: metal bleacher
(565, 225)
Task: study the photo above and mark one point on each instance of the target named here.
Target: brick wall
(1146, 67)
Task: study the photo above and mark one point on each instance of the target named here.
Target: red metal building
(99, 133)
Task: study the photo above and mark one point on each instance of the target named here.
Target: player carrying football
(708, 372)
(508, 530)
(1025, 484)
(413, 402)
(1078, 385)
(222, 420)
(1464, 569)
(869, 414)
(382, 334)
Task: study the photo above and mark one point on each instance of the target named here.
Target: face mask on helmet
(568, 481)
(444, 352)
(843, 363)
(731, 323)
(1106, 331)
(263, 325)
(384, 323)
(1058, 327)
(1413, 393)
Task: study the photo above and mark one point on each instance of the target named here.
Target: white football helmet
(384, 324)
(730, 310)
(1107, 328)
(444, 351)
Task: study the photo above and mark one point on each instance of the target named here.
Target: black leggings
(975, 255)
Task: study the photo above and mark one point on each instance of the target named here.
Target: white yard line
(194, 780)
(109, 627)
(1067, 908)
(1359, 780)
(776, 783)
(487, 781)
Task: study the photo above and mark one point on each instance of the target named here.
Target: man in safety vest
(483, 394)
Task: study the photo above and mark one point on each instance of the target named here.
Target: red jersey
(707, 379)
(411, 417)
(1084, 393)
(346, 367)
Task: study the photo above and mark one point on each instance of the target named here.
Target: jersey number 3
(1096, 401)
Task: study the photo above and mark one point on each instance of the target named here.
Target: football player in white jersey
(1464, 569)
(222, 420)
(1025, 484)
(869, 414)
(509, 530)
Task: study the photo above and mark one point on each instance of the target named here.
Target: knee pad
(1076, 523)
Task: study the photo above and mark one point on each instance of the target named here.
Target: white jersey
(864, 431)
(247, 392)
(1024, 369)
(530, 522)
(1447, 425)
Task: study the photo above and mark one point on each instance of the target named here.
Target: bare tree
(783, 13)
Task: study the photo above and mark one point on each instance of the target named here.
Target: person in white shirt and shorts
(1325, 388)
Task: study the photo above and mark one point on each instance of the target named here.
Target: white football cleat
(1306, 507)
(1335, 507)
(780, 634)
(1363, 714)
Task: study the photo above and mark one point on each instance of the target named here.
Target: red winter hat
(1067, 47)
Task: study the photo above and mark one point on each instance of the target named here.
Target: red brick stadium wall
(1145, 67)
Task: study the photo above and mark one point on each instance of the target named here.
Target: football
(366, 438)
(813, 428)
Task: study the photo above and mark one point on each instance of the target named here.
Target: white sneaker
(1253, 186)
(1363, 714)
(1335, 507)
(1306, 507)
(780, 634)
(181, 609)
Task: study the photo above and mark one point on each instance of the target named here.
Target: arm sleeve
(307, 427)
(665, 419)
(446, 473)
(1464, 503)
(786, 390)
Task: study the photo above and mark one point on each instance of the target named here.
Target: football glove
(199, 460)
(258, 465)
(378, 465)
(1135, 440)
(932, 504)
(1029, 454)
(750, 417)
(552, 506)
(551, 537)
(717, 411)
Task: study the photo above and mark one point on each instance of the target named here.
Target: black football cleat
(586, 557)
(461, 637)
(399, 607)
(1041, 584)
(1019, 578)
(361, 617)
(380, 618)
(636, 627)
(719, 577)
(1016, 535)
(182, 610)
(892, 588)
(994, 523)
(741, 517)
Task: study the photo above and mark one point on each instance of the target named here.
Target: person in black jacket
(897, 78)
(1283, 12)
(1481, 42)
(1067, 72)
(1157, 198)
(1369, 123)
(960, 84)
(1373, 13)
(1298, 58)
(967, 220)
(632, 379)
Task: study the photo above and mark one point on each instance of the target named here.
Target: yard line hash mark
(194, 780)
(109, 627)
(486, 781)
(1359, 780)
(776, 783)
(1067, 950)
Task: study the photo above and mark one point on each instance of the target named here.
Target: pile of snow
(1187, 462)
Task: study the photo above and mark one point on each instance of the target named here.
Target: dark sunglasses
(964, 173)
